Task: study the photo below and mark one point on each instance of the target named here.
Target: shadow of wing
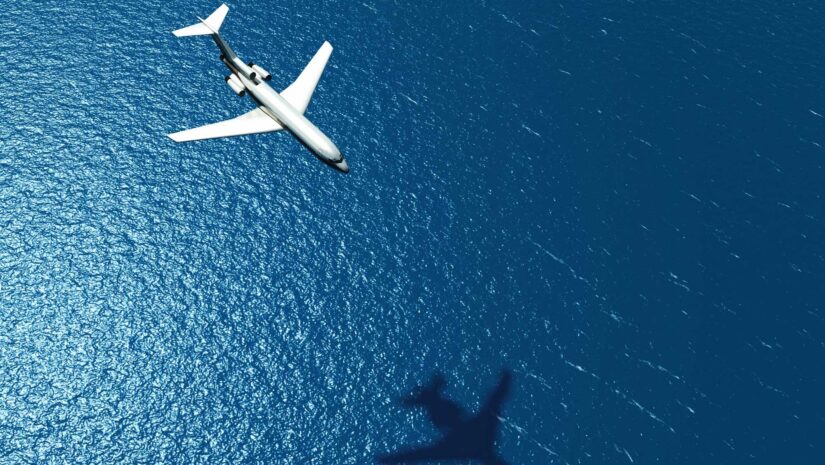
(492, 406)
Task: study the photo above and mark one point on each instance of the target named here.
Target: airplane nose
(342, 166)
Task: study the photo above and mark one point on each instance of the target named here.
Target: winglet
(208, 26)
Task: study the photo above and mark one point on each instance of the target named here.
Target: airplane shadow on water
(464, 437)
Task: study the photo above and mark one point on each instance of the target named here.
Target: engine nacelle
(264, 74)
(236, 85)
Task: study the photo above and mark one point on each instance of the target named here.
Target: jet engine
(236, 85)
(264, 74)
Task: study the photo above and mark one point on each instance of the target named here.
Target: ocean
(619, 202)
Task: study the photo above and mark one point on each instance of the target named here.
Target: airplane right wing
(299, 92)
(253, 122)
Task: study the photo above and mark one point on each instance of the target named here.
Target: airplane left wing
(253, 122)
(300, 92)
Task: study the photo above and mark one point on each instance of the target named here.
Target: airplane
(464, 437)
(274, 111)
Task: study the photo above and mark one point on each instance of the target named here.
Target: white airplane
(275, 111)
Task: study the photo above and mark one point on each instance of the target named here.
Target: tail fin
(207, 26)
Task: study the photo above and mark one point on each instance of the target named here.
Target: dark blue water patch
(620, 202)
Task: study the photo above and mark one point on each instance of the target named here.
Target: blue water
(621, 202)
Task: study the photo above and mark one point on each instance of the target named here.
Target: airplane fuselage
(276, 107)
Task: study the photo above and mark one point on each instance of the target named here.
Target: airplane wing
(300, 91)
(253, 122)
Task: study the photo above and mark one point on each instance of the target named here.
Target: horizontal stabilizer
(300, 92)
(208, 26)
(254, 122)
